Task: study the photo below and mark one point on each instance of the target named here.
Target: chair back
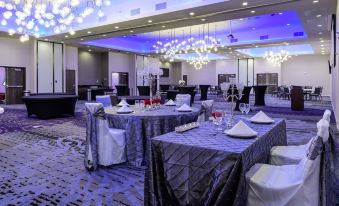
(317, 90)
(96, 127)
(206, 110)
(183, 99)
(223, 86)
(327, 115)
(105, 100)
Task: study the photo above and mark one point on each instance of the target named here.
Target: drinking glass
(218, 119)
(247, 108)
(137, 103)
(142, 105)
(242, 107)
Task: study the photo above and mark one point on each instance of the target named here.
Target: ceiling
(279, 19)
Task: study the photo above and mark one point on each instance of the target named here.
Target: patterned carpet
(41, 162)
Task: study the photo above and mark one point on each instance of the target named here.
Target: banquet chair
(183, 99)
(283, 155)
(288, 185)
(206, 110)
(105, 100)
(104, 146)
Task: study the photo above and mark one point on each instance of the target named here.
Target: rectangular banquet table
(206, 167)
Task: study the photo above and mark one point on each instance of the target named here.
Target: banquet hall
(164, 102)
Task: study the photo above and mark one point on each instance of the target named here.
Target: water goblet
(242, 107)
(247, 108)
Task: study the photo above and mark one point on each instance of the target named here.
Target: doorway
(268, 79)
(70, 81)
(225, 78)
(119, 78)
(13, 84)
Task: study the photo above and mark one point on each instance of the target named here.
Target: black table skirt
(259, 95)
(203, 90)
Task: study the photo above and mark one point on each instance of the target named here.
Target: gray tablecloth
(142, 126)
(203, 167)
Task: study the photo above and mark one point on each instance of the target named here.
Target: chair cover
(206, 110)
(105, 100)
(104, 146)
(183, 99)
(288, 184)
(284, 155)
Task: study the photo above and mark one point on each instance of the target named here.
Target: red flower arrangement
(216, 114)
(147, 102)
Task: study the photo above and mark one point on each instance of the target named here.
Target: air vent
(298, 34)
(234, 40)
(161, 6)
(135, 12)
(264, 37)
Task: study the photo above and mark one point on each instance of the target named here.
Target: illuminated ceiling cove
(269, 28)
(117, 11)
(298, 49)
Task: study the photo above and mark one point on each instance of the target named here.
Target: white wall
(120, 62)
(17, 54)
(206, 75)
(307, 70)
(72, 63)
(263, 66)
(335, 79)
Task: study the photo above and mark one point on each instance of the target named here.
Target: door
(45, 67)
(225, 78)
(184, 77)
(58, 67)
(70, 81)
(15, 85)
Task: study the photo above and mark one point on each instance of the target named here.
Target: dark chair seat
(259, 95)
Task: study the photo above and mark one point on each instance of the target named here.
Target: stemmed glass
(142, 105)
(247, 108)
(218, 119)
(242, 107)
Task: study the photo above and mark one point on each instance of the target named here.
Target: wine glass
(242, 107)
(247, 108)
(218, 119)
(142, 105)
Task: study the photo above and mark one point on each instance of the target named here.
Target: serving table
(142, 126)
(206, 167)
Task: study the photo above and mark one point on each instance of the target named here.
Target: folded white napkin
(123, 103)
(2, 110)
(241, 130)
(170, 103)
(184, 108)
(124, 109)
(261, 117)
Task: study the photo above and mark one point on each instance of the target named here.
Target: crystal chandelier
(199, 61)
(33, 17)
(277, 58)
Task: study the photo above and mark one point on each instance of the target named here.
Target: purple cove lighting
(276, 27)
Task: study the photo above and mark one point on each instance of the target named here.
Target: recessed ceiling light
(288, 24)
(203, 19)
(125, 36)
(89, 32)
(319, 15)
(322, 45)
(315, 1)
(66, 36)
(280, 13)
(163, 26)
(131, 31)
(253, 28)
(322, 41)
(253, 12)
(116, 27)
(81, 39)
(104, 35)
(257, 46)
(244, 3)
(150, 21)
(192, 13)
(320, 33)
(319, 25)
(89, 50)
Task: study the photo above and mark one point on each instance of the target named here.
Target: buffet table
(47, 106)
(206, 167)
(142, 126)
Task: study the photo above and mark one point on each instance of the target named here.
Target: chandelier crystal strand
(32, 17)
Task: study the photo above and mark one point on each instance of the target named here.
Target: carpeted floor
(41, 162)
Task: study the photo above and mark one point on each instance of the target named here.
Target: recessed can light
(319, 25)
(192, 13)
(66, 36)
(203, 19)
(150, 21)
(116, 27)
(163, 26)
(253, 12)
(131, 31)
(315, 1)
(89, 32)
(288, 24)
(319, 15)
(244, 3)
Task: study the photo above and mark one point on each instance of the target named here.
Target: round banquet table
(142, 126)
